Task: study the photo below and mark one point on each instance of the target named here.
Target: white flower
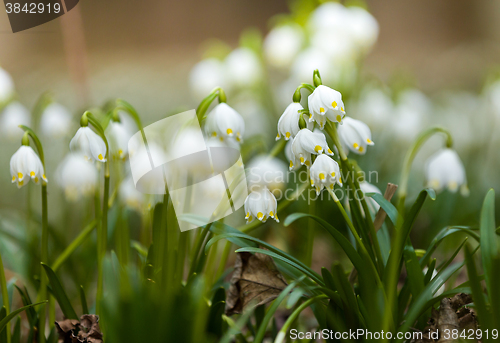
(264, 171)
(206, 75)
(325, 172)
(118, 136)
(261, 204)
(309, 60)
(76, 177)
(294, 161)
(89, 143)
(326, 103)
(411, 114)
(282, 44)
(306, 143)
(243, 68)
(26, 164)
(130, 196)
(288, 124)
(13, 115)
(444, 169)
(6, 86)
(224, 122)
(375, 107)
(55, 121)
(363, 28)
(355, 135)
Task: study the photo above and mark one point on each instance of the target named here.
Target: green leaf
(16, 335)
(489, 245)
(13, 314)
(386, 205)
(415, 276)
(83, 300)
(477, 291)
(59, 294)
(272, 309)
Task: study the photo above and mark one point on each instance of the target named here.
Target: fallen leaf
(255, 280)
(86, 330)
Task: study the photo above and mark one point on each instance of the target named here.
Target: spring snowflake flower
(261, 204)
(282, 44)
(355, 135)
(55, 121)
(367, 187)
(225, 123)
(288, 124)
(243, 68)
(25, 165)
(264, 171)
(13, 115)
(77, 177)
(326, 103)
(325, 172)
(206, 75)
(444, 169)
(89, 143)
(306, 143)
(118, 136)
(294, 161)
(6, 86)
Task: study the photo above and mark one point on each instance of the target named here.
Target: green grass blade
(387, 206)
(83, 300)
(13, 314)
(59, 294)
(489, 245)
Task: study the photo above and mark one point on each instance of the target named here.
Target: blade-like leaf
(13, 314)
(489, 246)
(59, 294)
(389, 208)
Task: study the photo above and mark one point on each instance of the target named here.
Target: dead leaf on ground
(86, 330)
(255, 280)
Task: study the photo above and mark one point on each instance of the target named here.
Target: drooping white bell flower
(13, 115)
(130, 196)
(282, 44)
(363, 28)
(309, 60)
(306, 143)
(330, 15)
(25, 165)
(294, 161)
(355, 135)
(375, 107)
(288, 124)
(261, 204)
(55, 121)
(118, 137)
(89, 143)
(444, 169)
(206, 75)
(243, 68)
(6, 86)
(326, 103)
(225, 123)
(77, 177)
(325, 172)
(411, 114)
(338, 47)
(265, 171)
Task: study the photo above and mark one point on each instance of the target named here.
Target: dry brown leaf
(255, 280)
(86, 330)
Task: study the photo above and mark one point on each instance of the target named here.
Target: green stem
(102, 240)
(223, 260)
(410, 156)
(205, 103)
(310, 235)
(5, 295)
(284, 329)
(44, 259)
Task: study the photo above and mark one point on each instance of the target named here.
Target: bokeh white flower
(282, 44)
(25, 164)
(118, 136)
(89, 143)
(261, 204)
(77, 177)
(6, 86)
(243, 68)
(265, 171)
(13, 115)
(445, 170)
(55, 120)
(206, 75)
